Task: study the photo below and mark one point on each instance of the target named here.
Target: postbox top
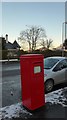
(31, 55)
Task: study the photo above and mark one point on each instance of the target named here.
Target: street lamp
(63, 35)
(65, 30)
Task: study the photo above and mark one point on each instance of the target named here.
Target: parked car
(55, 71)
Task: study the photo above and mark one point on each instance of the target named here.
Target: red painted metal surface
(32, 81)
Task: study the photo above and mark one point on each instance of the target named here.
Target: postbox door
(38, 84)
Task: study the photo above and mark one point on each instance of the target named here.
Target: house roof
(16, 45)
(10, 45)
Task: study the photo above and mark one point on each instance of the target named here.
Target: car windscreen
(49, 62)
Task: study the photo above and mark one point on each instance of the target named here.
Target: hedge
(46, 53)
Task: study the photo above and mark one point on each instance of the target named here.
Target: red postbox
(32, 81)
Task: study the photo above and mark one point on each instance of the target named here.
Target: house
(12, 48)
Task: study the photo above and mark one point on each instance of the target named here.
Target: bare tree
(32, 35)
(46, 43)
(49, 43)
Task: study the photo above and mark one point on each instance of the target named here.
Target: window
(61, 65)
(50, 62)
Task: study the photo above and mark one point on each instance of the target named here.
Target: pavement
(10, 60)
(12, 107)
(55, 108)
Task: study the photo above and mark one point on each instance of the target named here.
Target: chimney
(6, 38)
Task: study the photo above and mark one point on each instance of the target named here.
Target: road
(10, 84)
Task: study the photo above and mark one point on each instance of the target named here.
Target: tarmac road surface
(11, 83)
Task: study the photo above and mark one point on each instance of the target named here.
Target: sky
(16, 16)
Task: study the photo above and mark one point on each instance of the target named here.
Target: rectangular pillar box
(32, 80)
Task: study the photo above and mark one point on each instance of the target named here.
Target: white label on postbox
(37, 69)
